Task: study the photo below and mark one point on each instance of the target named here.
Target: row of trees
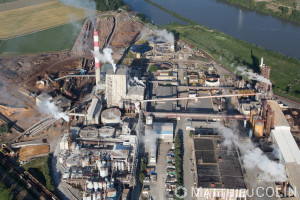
(106, 5)
(178, 161)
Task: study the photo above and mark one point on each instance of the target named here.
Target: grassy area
(285, 71)
(51, 40)
(38, 17)
(5, 193)
(39, 168)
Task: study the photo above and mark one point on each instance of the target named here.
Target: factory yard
(25, 20)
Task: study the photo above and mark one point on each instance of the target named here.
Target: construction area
(126, 115)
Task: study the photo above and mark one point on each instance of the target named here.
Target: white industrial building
(287, 149)
(64, 143)
(93, 113)
(164, 131)
(116, 86)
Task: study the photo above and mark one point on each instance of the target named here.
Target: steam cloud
(163, 35)
(89, 6)
(50, 107)
(150, 142)
(270, 171)
(253, 76)
(106, 56)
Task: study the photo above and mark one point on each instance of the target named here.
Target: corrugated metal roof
(280, 120)
(159, 126)
(287, 145)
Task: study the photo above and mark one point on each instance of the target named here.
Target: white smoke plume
(144, 33)
(89, 6)
(137, 81)
(149, 140)
(106, 56)
(162, 35)
(253, 158)
(49, 107)
(253, 76)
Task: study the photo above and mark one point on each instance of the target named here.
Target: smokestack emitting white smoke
(49, 107)
(269, 171)
(253, 76)
(106, 56)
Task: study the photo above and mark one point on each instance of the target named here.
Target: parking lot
(157, 190)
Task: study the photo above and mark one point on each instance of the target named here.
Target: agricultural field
(30, 19)
(51, 40)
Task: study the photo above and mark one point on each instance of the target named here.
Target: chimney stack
(97, 63)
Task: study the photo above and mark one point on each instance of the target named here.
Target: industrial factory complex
(132, 113)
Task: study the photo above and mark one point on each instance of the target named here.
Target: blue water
(253, 27)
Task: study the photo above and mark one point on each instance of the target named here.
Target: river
(253, 27)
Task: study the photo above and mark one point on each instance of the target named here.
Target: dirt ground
(25, 152)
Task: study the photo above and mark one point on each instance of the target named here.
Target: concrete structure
(279, 121)
(116, 86)
(93, 114)
(64, 144)
(165, 131)
(111, 116)
(97, 63)
(289, 155)
(165, 92)
(246, 108)
(218, 169)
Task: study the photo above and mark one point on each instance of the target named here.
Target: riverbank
(188, 21)
(232, 52)
(279, 8)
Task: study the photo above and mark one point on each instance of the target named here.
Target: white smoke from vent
(269, 171)
(253, 76)
(162, 35)
(49, 107)
(106, 56)
(150, 139)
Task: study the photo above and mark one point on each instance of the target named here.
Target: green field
(285, 72)
(39, 168)
(51, 40)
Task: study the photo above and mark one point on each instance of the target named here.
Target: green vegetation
(39, 168)
(178, 161)
(5, 193)
(4, 128)
(143, 166)
(192, 133)
(143, 18)
(5, 1)
(188, 21)
(232, 52)
(153, 68)
(261, 6)
(55, 39)
(106, 5)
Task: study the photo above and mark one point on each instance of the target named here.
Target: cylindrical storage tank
(100, 185)
(250, 133)
(96, 186)
(89, 197)
(111, 116)
(259, 129)
(85, 161)
(115, 166)
(103, 172)
(90, 185)
(108, 184)
(119, 166)
(98, 196)
(94, 196)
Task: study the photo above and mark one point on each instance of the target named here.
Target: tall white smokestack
(262, 61)
(97, 63)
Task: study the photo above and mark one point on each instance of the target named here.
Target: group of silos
(99, 186)
(109, 193)
(257, 123)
